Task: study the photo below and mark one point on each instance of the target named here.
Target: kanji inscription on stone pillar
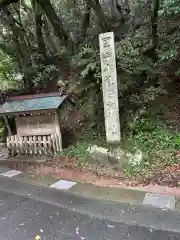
(109, 87)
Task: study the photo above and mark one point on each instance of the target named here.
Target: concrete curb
(90, 191)
(122, 209)
(132, 222)
(146, 222)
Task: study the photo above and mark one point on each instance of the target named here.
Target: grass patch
(79, 149)
(159, 144)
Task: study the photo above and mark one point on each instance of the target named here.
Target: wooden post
(49, 144)
(5, 117)
(58, 131)
(109, 87)
(35, 144)
(13, 145)
(39, 144)
(53, 143)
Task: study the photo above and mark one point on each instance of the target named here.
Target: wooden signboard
(36, 125)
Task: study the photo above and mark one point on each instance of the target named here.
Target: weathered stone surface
(116, 158)
(109, 87)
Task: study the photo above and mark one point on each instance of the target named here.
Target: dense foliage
(45, 44)
(50, 44)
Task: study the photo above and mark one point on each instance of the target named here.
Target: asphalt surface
(27, 211)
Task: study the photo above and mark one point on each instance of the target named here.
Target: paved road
(23, 217)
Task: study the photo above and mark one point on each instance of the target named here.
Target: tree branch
(4, 3)
(57, 24)
(95, 5)
(19, 39)
(154, 24)
(38, 20)
(85, 21)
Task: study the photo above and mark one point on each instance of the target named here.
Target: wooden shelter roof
(31, 103)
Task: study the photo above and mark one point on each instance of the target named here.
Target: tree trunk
(4, 3)
(6, 122)
(49, 41)
(57, 24)
(7, 126)
(23, 49)
(95, 5)
(39, 23)
(85, 21)
(154, 25)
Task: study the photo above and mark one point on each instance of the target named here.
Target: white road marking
(10, 173)
(63, 185)
(159, 201)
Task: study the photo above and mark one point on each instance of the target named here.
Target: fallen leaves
(173, 168)
(77, 230)
(37, 237)
(170, 176)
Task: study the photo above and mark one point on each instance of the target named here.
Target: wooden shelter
(37, 119)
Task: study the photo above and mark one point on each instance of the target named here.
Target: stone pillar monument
(109, 87)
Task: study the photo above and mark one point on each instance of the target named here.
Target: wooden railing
(34, 145)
